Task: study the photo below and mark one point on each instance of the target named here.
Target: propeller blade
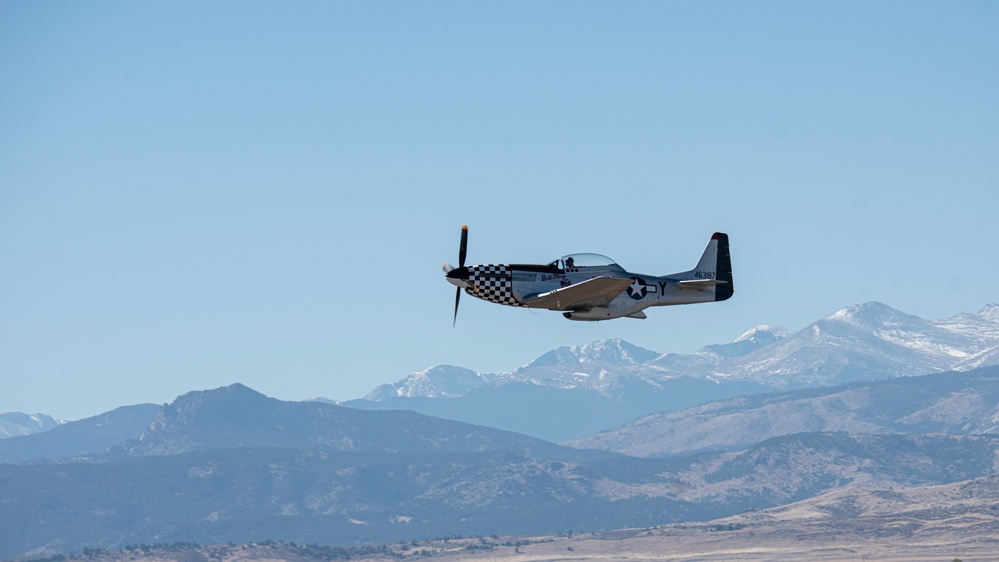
(463, 247)
(462, 250)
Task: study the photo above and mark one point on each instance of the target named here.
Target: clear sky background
(199, 193)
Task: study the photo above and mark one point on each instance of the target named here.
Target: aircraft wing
(598, 291)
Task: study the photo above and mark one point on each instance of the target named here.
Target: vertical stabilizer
(714, 268)
(723, 268)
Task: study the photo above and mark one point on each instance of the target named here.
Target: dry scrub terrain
(928, 524)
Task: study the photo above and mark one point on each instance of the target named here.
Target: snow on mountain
(981, 359)
(892, 326)
(764, 334)
(596, 366)
(750, 341)
(867, 341)
(613, 351)
(981, 327)
(14, 424)
(442, 381)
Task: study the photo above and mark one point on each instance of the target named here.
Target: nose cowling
(458, 277)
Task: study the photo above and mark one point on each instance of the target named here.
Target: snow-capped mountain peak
(989, 312)
(875, 314)
(441, 381)
(613, 351)
(764, 331)
(750, 341)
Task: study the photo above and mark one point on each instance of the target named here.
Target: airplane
(592, 287)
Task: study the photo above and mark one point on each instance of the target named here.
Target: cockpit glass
(587, 260)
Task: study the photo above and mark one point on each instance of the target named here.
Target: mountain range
(231, 464)
(573, 392)
(868, 341)
(578, 391)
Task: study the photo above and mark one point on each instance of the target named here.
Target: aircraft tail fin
(723, 270)
(714, 268)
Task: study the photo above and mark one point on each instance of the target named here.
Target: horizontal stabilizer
(700, 284)
(598, 291)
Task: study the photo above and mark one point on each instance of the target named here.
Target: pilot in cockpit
(569, 262)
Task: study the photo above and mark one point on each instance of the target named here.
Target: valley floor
(749, 545)
(929, 528)
(970, 538)
(958, 521)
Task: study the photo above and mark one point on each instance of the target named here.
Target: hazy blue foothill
(950, 403)
(560, 414)
(237, 416)
(88, 436)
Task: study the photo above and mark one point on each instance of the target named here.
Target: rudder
(723, 268)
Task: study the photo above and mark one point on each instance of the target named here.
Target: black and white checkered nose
(458, 277)
(491, 282)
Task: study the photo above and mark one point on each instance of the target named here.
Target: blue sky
(196, 194)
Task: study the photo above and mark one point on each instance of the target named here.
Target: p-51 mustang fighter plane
(592, 287)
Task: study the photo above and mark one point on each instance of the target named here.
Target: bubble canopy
(586, 260)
